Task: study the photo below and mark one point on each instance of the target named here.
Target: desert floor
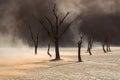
(22, 64)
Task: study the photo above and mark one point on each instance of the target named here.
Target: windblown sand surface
(22, 64)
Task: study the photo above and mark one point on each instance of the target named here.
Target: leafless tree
(48, 51)
(79, 48)
(103, 46)
(107, 44)
(108, 47)
(35, 39)
(90, 44)
(54, 31)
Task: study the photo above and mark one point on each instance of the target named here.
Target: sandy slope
(22, 64)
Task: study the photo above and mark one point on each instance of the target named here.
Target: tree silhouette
(106, 43)
(54, 32)
(35, 39)
(90, 43)
(48, 51)
(79, 48)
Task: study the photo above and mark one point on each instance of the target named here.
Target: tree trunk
(36, 50)
(89, 46)
(104, 48)
(79, 52)
(57, 56)
(108, 48)
(89, 50)
(49, 50)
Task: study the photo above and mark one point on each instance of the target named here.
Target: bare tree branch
(53, 30)
(54, 11)
(64, 18)
(65, 29)
(52, 27)
(81, 36)
(45, 28)
(55, 14)
(32, 36)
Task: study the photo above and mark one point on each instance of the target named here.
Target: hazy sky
(15, 13)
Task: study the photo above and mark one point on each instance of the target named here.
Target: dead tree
(108, 47)
(107, 44)
(54, 31)
(48, 51)
(35, 39)
(103, 46)
(90, 43)
(79, 48)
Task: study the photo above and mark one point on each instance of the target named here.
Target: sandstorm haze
(31, 51)
(15, 15)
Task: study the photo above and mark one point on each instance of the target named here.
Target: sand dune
(22, 64)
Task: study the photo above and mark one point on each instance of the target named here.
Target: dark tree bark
(107, 44)
(34, 39)
(89, 50)
(36, 50)
(48, 51)
(108, 47)
(90, 43)
(79, 52)
(79, 48)
(57, 50)
(103, 46)
(54, 32)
